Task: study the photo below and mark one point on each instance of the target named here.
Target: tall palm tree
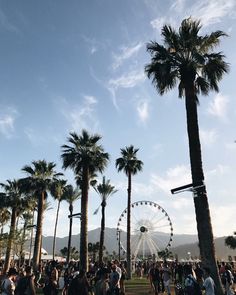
(5, 216)
(187, 58)
(130, 165)
(105, 190)
(57, 190)
(41, 175)
(71, 195)
(11, 198)
(85, 156)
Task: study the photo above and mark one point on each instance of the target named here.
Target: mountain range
(183, 245)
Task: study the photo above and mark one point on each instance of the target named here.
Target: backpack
(23, 286)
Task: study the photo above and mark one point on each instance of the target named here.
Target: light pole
(32, 226)
(71, 216)
(119, 231)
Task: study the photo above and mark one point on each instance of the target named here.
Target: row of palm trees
(86, 157)
(186, 59)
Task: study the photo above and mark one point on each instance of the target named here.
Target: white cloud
(209, 12)
(126, 53)
(208, 137)
(93, 44)
(226, 213)
(212, 11)
(143, 110)
(231, 145)
(159, 22)
(7, 120)
(178, 5)
(80, 116)
(218, 107)
(218, 170)
(175, 177)
(128, 80)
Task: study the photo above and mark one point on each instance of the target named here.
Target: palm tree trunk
(31, 238)
(70, 233)
(84, 221)
(129, 262)
(102, 235)
(10, 240)
(203, 218)
(38, 236)
(55, 231)
(21, 258)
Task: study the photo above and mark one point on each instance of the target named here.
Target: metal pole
(119, 245)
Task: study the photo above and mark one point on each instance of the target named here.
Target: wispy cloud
(178, 5)
(127, 80)
(143, 110)
(93, 44)
(174, 177)
(227, 214)
(208, 137)
(125, 53)
(160, 21)
(209, 12)
(218, 107)
(82, 115)
(212, 11)
(6, 24)
(35, 138)
(7, 120)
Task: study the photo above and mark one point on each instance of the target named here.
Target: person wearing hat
(8, 285)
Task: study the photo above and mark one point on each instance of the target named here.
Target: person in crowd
(25, 285)
(199, 274)
(122, 279)
(79, 284)
(208, 284)
(114, 280)
(101, 286)
(154, 277)
(166, 277)
(8, 284)
(229, 280)
(191, 286)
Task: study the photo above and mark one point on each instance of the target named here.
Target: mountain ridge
(182, 244)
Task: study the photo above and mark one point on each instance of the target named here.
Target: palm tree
(188, 59)
(71, 195)
(230, 241)
(129, 163)
(11, 198)
(5, 216)
(41, 175)
(58, 189)
(105, 190)
(85, 157)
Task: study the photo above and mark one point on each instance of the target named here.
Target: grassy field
(138, 286)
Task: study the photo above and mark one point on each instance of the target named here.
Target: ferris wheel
(151, 229)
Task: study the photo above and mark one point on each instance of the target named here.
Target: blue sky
(69, 65)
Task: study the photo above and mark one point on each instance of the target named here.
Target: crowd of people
(109, 279)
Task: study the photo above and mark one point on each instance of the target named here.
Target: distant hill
(222, 252)
(181, 245)
(111, 242)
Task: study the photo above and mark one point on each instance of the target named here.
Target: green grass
(138, 286)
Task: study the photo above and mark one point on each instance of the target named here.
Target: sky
(72, 65)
